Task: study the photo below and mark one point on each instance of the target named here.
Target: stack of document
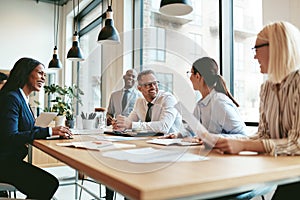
(177, 141)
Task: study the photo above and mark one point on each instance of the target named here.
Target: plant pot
(60, 120)
(70, 123)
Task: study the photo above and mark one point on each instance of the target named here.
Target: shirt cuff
(50, 131)
(136, 126)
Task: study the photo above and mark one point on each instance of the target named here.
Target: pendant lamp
(75, 53)
(176, 7)
(109, 34)
(55, 62)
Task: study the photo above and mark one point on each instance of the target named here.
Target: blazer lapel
(26, 110)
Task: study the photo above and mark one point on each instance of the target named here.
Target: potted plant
(65, 98)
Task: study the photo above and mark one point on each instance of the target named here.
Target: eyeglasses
(189, 73)
(148, 85)
(259, 46)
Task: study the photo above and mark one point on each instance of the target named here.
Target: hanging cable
(56, 22)
(74, 24)
(55, 62)
(77, 14)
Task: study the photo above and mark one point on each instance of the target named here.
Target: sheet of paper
(45, 118)
(116, 138)
(167, 142)
(96, 145)
(151, 155)
(86, 131)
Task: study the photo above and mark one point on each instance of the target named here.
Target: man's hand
(122, 123)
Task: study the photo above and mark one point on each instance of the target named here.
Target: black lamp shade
(109, 33)
(176, 7)
(75, 53)
(55, 62)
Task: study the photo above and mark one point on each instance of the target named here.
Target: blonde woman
(277, 51)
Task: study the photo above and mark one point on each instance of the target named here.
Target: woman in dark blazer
(17, 130)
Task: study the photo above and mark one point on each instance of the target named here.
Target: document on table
(86, 131)
(116, 138)
(95, 145)
(44, 119)
(151, 155)
(167, 142)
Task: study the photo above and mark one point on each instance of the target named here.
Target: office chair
(257, 193)
(260, 191)
(9, 188)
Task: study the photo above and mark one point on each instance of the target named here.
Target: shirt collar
(206, 100)
(24, 96)
(129, 90)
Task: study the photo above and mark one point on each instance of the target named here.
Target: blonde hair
(284, 49)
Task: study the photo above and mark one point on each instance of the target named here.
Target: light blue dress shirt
(115, 103)
(220, 115)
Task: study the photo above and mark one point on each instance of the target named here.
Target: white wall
(26, 31)
(287, 10)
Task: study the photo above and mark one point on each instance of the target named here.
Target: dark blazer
(17, 127)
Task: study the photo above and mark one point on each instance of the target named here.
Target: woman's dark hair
(208, 69)
(19, 74)
(3, 77)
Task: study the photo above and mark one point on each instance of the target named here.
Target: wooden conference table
(217, 176)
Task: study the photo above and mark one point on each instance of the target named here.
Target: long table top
(219, 175)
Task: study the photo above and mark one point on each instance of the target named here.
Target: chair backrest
(8, 187)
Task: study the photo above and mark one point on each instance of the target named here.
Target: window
(247, 22)
(170, 45)
(185, 39)
(157, 50)
(89, 71)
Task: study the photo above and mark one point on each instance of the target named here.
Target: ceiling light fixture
(55, 62)
(176, 7)
(109, 34)
(75, 53)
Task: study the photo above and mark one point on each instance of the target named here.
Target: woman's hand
(62, 131)
(229, 145)
(193, 140)
(169, 136)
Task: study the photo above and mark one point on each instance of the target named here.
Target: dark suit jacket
(17, 127)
